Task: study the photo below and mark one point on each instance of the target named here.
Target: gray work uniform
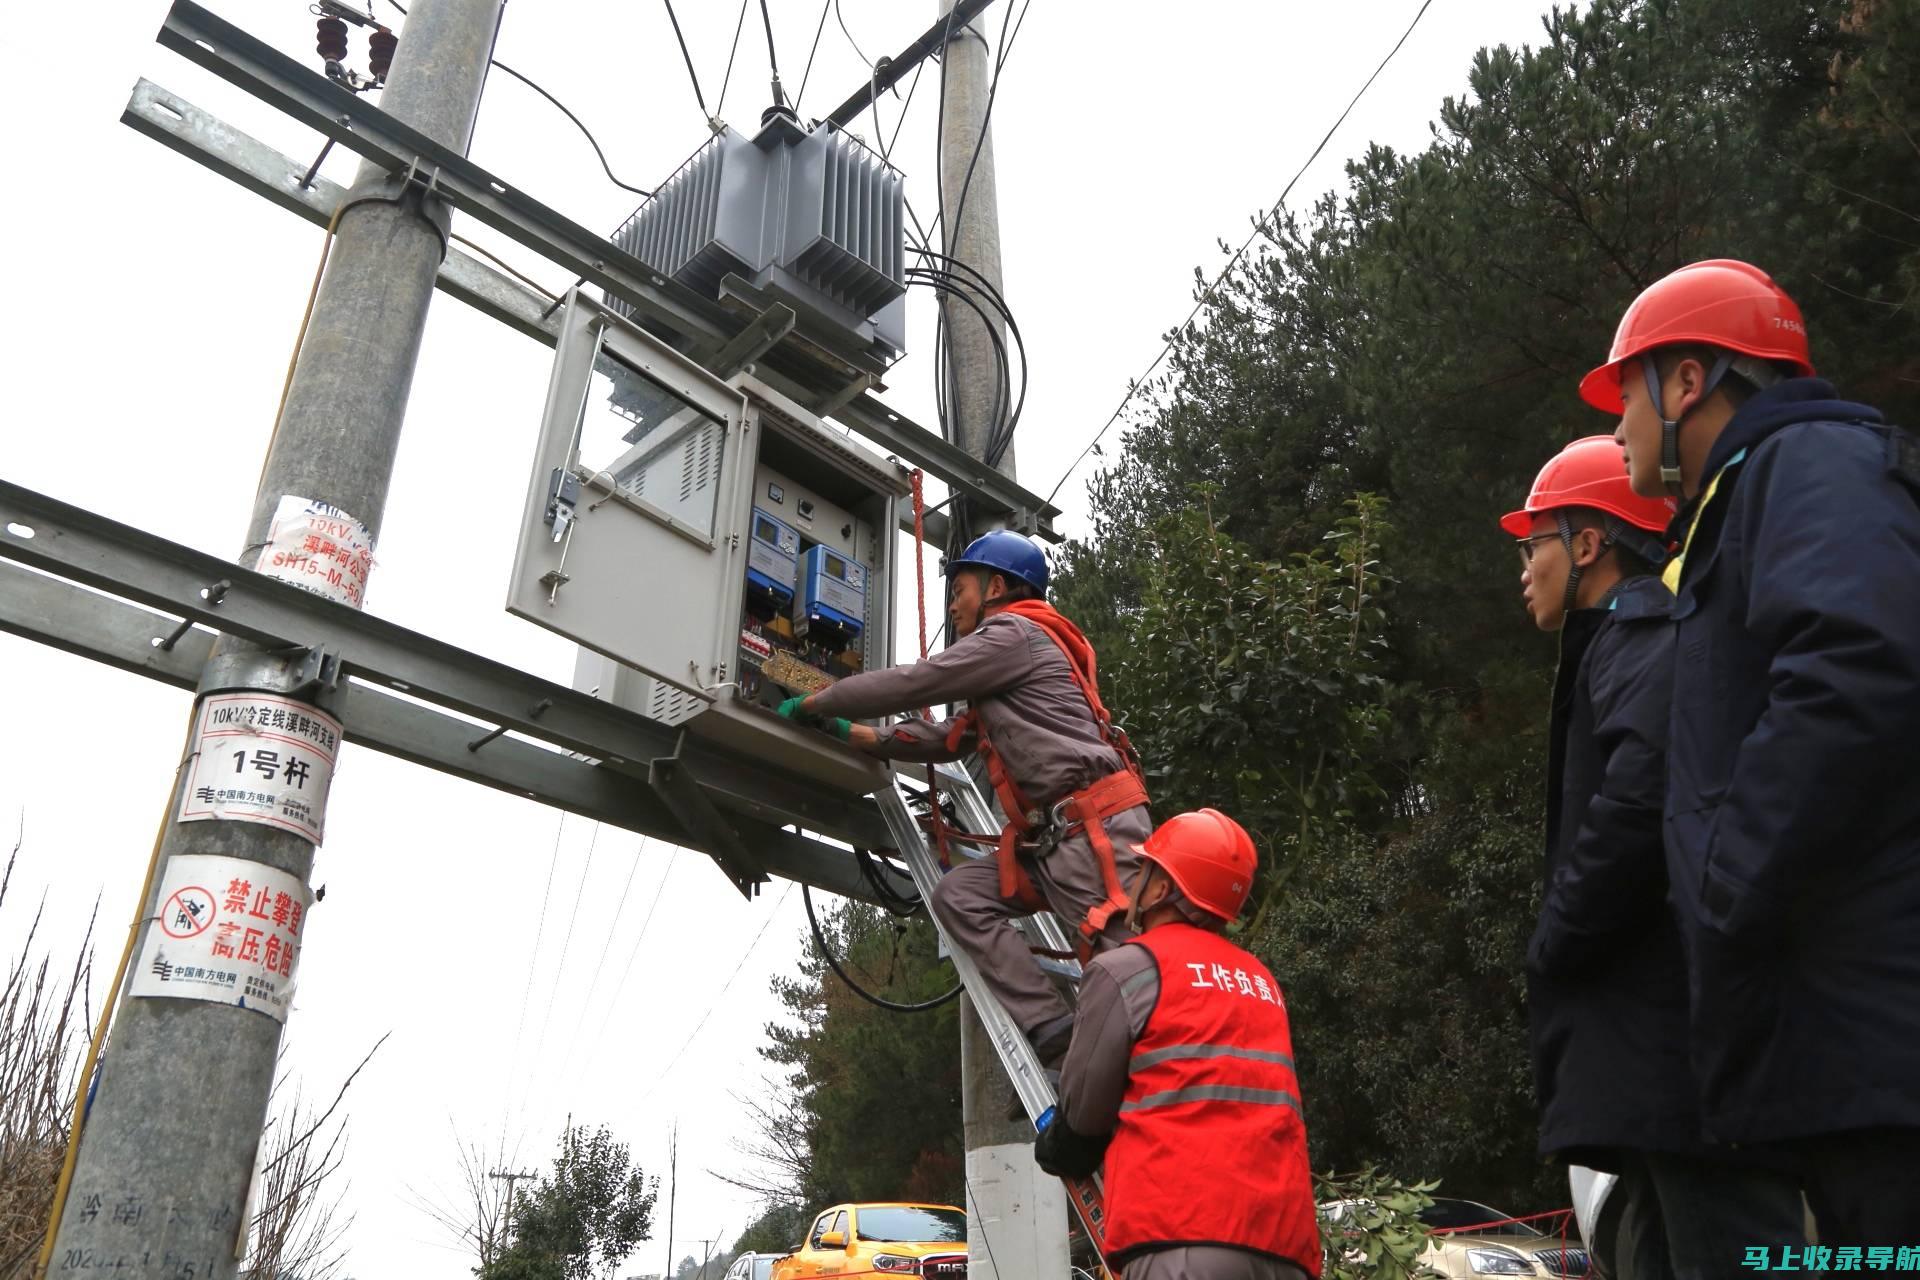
(1013, 675)
(1121, 988)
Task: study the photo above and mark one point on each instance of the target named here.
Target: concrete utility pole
(512, 1180)
(1016, 1215)
(160, 1190)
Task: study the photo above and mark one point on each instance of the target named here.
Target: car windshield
(1452, 1215)
(927, 1226)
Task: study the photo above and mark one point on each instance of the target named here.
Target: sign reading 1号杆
(259, 757)
(228, 931)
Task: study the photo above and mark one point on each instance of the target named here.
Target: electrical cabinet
(712, 546)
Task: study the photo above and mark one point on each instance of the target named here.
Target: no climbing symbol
(187, 913)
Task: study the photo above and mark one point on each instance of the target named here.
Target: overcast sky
(154, 305)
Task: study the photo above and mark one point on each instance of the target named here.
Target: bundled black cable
(820, 941)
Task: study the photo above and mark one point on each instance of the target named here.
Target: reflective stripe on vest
(1141, 1061)
(1214, 1093)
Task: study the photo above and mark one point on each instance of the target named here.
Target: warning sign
(318, 548)
(262, 758)
(229, 931)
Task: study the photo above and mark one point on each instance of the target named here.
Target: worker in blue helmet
(1066, 777)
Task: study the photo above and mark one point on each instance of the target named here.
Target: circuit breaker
(711, 546)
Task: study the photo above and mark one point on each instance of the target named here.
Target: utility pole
(673, 1191)
(511, 1179)
(1014, 1208)
(160, 1189)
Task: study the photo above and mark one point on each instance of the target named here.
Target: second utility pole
(160, 1191)
(1016, 1215)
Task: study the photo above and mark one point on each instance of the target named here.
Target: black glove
(1066, 1154)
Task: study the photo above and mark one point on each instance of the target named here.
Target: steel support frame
(165, 581)
(350, 120)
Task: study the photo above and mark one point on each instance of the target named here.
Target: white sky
(154, 305)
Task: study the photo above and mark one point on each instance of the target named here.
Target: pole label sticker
(229, 931)
(261, 758)
(319, 548)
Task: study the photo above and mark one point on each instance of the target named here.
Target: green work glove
(794, 709)
(841, 729)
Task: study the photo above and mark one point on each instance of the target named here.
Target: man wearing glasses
(1606, 977)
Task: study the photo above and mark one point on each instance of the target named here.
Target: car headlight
(895, 1262)
(1498, 1262)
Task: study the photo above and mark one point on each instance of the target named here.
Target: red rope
(1565, 1215)
(938, 825)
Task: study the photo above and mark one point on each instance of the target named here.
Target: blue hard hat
(1005, 552)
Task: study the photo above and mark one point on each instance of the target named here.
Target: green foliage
(1258, 678)
(1377, 1233)
(777, 1230)
(582, 1219)
(870, 1099)
(1419, 336)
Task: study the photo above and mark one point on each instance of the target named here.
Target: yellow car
(881, 1239)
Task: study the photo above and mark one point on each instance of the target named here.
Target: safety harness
(1043, 829)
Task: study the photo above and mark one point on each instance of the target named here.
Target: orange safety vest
(1211, 1148)
(1088, 807)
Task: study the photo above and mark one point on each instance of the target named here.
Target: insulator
(331, 39)
(380, 47)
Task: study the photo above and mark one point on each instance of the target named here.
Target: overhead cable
(739, 25)
(826, 953)
(808, 73)
(687, 58)
(773, 58)
(588, 133)
(1207, 295)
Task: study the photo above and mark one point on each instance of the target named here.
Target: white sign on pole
(262, 758)
(228, 931)
(319, 548)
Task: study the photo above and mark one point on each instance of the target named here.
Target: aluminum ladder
(1016, 1055)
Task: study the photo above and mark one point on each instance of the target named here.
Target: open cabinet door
(628, 540)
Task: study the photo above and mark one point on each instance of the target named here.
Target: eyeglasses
(1526, 546)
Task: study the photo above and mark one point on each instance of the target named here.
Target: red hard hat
(1210, 858)
(1589, 473)
(1722, 303)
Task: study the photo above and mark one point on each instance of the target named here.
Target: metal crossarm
(1016, 1054)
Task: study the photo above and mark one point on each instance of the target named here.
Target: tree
(582, 1219)
(777, 1230)
(1418, 335)
(871, 1097)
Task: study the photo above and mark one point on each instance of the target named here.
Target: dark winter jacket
(1607, 984)
(1793, 808)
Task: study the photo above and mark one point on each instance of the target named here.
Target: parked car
(1471, 1240)
(883, 1239)
(752, 1266)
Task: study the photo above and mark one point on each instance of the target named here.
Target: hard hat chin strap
(1670, 427)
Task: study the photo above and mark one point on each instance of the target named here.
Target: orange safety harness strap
(1089, 807)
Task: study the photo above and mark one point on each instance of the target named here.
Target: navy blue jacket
(1607, 983)
(1793, 811)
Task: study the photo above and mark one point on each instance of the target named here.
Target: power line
(773, 59)
(633, 951)
(849, 35)
(715, 1002)
(600, 965)
(1207, 295)
(738, 26)
(560, 969)
(586, 132)
(687, 57)
(539, 932)
(808, 73)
